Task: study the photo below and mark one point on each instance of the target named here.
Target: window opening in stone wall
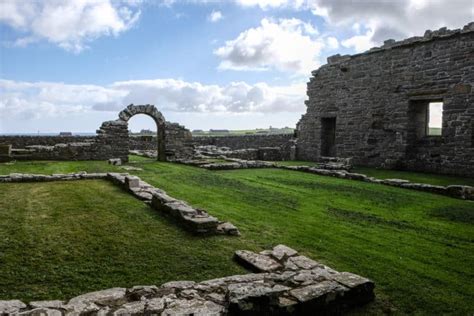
(434, 118)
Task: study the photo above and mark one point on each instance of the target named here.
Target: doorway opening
(328, 136)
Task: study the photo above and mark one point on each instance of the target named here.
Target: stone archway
(156, 115)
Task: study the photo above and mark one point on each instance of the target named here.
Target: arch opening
(151, 111)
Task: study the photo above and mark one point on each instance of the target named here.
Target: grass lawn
(419, 177)
(61, 239)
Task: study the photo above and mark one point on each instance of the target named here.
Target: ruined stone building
(377, 106)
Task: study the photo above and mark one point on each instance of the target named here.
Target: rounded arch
(156, 115)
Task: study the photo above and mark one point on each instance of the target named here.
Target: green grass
(419, 177)
(62, 239)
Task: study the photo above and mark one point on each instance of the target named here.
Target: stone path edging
(286, 283)
(464, 192)
(195, 220)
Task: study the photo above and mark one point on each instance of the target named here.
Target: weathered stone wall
(284, 141)
(21, 141)
(112, 141)
(374, 96)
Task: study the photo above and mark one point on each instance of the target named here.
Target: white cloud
(48, 99)
(271, 4)
(215, 16)
(69, 24)
(379, 20)
(360, 43)
(332, 42)
(26, 100)
(289, 45)
(392, 19)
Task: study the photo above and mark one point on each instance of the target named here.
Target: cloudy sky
(236, 64)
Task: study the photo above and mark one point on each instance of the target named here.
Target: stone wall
(21, 141)
(374, 100)
(112, 141)
(283, 141)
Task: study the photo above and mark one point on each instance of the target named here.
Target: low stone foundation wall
(286, 284)
(464, 192)
(194, 220)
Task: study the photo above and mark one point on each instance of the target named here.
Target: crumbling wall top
(391, 43)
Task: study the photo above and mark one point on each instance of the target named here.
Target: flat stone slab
(11, 306)
(320, 293)
(281, 251)
(256, 261)
(303, 262)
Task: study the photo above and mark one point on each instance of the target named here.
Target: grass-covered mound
(65, 238)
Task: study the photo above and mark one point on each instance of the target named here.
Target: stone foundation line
(195, 220)
(464, 192)
(286, 283)
(338, 168)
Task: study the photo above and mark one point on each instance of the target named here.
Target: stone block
(461, 191)
(323, 296)
(228, 229)
(115, 161)
(303, 262)
(256, 262)
(193, 307)
(11, 307)
(111, 297)
(281, 252)
(253, 297)
(132, 182)
(361, 290)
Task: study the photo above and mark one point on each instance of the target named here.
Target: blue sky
(69, 65)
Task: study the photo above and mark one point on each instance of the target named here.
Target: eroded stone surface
(256, 261)
(11, 306)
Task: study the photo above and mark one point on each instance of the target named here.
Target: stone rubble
(115, 161)
(309, 289)
(194, 220)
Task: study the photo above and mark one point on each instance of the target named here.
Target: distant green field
(246, 132)
(61, 239)
(434, 131)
